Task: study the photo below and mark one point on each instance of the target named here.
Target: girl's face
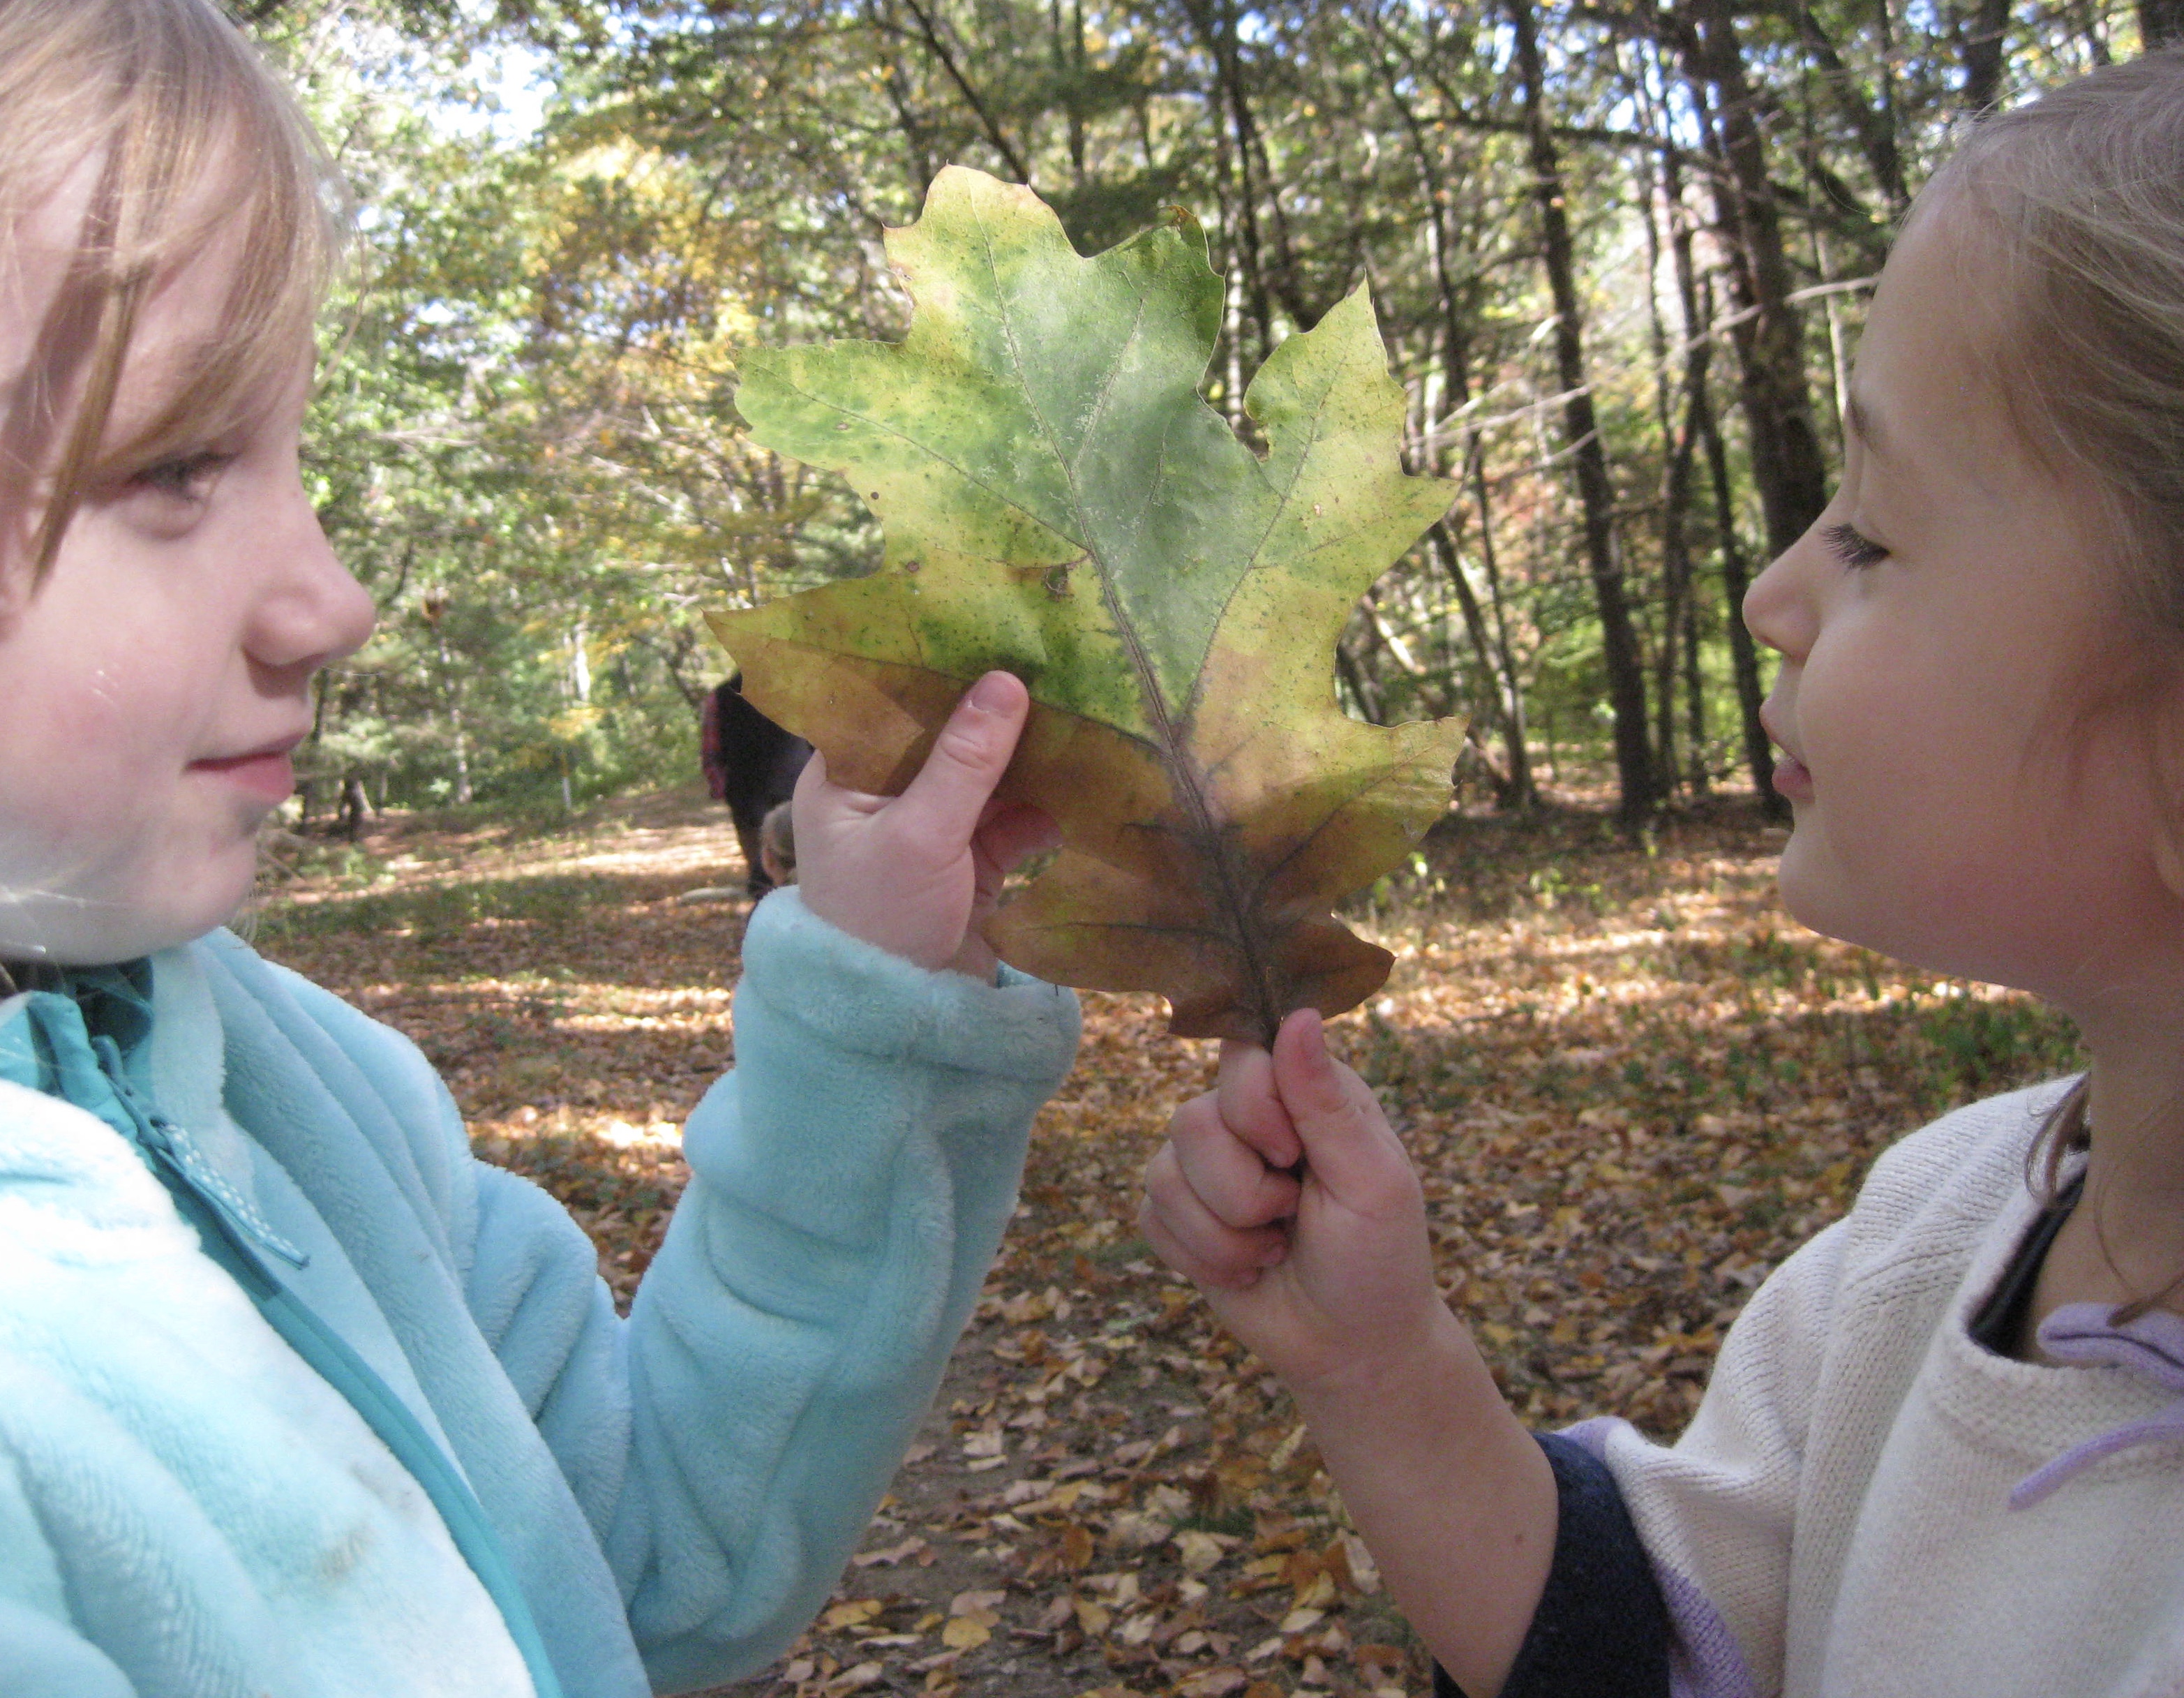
(1970, 716)
(155, 684)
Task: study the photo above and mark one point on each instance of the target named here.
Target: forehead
(1928, 399)
(36, 250)
(182, 315)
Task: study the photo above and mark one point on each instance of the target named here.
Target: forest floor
(1632, 1084)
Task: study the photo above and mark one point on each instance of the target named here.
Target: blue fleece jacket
(675, 1493)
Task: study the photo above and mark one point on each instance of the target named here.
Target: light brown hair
(776, 836)
(190, 135)
(2084, 189)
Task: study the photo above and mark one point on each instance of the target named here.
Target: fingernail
(991, 693)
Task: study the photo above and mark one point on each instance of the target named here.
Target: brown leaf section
(1147, 892)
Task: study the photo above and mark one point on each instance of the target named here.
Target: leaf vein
(965, 472)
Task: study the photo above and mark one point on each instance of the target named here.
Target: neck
(2133, 1207)
(18, 976)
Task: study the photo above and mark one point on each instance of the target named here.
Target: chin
(1830, 902)
(1909, 936)
(81, 927)
(1814, 899)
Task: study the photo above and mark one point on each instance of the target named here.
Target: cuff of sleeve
(861, 999)
(1601, 1630)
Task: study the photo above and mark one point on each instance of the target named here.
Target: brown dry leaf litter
(1633, 1086)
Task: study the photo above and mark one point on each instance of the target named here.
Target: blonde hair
(191, 135)
(2085, 188)
(777, 834)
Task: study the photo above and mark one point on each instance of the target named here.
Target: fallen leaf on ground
(1572, 1020)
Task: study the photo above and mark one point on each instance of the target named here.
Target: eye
(1854, 550)
(185, 476)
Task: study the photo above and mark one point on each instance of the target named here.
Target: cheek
(1918, 836)
(1920, 719)
(97, 742)
(92, 809)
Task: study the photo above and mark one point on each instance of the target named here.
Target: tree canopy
(1619, 256)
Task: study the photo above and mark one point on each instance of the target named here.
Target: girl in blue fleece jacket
(296, 1399)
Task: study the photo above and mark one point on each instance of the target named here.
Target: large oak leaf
(1059, 501)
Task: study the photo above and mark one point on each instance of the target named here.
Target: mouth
(265, 773)
(1793, 780)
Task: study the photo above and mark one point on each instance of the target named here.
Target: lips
(265, 772)
(1793, 782)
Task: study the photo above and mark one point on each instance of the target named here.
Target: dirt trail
(1633, 1087)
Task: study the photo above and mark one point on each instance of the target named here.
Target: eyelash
(1854, 550)
(185, 475)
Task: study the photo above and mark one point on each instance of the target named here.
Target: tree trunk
(1874, 128)
(1514, 789)
(1769, 334)
(354, 805)
(1744, 655)
(1984, 42)
(1694, 698)
(1362, 695)
(452, 689)
(1677, 629)
(1215, 23)
(1513, 778)
(1517, 726)
(1626, 681)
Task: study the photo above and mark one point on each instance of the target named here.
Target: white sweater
(1837, 1522)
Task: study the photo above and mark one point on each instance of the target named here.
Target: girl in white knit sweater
(1943, 1451)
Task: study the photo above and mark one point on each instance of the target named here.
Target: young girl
(1942, 1453)
(295, 1398)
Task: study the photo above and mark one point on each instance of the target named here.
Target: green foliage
(532, 454)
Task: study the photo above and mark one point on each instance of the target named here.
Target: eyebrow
(1867, 427)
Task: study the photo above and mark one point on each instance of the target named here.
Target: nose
(1778, 609)
(311, 611)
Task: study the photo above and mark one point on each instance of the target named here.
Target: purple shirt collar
(2151, 1348)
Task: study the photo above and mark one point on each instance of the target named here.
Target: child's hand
(917, 873)
(1328, 1278)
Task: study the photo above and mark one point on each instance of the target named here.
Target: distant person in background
(776, 845)
(751, 764)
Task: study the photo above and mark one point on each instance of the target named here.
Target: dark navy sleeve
(1601, 1630)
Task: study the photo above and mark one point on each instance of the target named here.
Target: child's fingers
(1185, 1234)
(1346, 1139)
(1252, 1107)
(1227, 1175)
(950, 791)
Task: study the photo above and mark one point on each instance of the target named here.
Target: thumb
(970, 756)
(1344, 1133)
